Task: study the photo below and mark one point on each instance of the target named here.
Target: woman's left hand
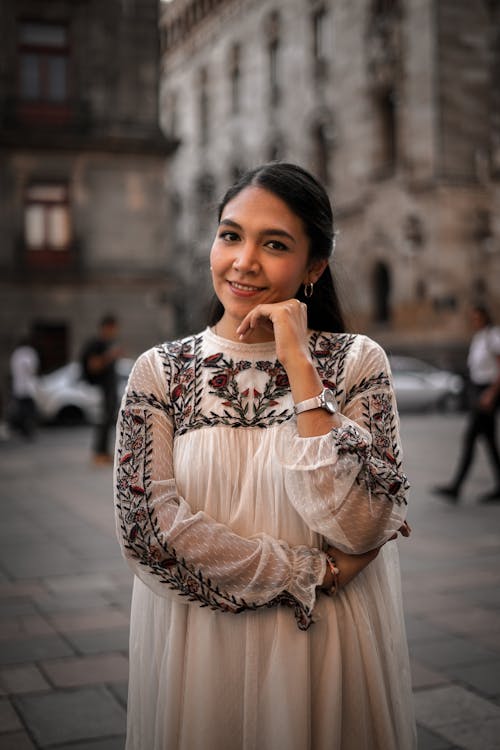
(288, 321)
(350, 565)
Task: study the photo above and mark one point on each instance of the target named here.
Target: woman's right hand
(350, 565)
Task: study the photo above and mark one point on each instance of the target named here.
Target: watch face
(329, 401)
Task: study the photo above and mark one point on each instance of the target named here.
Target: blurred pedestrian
(24, 365)
(483, 362)
(98, 360)
(258, 469)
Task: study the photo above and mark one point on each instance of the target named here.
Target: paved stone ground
(65, 594)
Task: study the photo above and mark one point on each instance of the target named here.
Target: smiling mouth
(245, 287)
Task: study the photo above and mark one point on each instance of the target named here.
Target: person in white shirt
(483, 362)
(24, 364)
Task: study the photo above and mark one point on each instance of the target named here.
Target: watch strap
(310, 403)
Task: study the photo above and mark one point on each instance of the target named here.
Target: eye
(229, 236)
(276, 245)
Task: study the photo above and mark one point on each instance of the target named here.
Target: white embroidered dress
(223, 512)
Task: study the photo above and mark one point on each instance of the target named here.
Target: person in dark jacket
(99, 365)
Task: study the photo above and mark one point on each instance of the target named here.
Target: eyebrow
(263, 233)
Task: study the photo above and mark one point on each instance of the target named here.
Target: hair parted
(308, 200)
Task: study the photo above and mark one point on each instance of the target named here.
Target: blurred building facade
(393, 104)
(83, 207)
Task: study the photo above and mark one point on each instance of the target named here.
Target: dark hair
(108, 320)
(484, 313)
(308, 200)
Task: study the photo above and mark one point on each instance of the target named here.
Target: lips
(244, 288)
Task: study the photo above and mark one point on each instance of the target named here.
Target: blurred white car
(421, 386)
(64, 397)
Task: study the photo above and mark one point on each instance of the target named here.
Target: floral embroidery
(350, 440)
(329, 352)
(248, 407)
(384, 474)
(366, 384)
(144, 541)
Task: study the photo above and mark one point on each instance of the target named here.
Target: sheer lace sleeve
(348, 485)
(171, 548)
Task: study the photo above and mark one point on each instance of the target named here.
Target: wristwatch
(325, 400)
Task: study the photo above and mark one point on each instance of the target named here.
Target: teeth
(245, 288)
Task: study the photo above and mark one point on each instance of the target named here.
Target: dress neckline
(264, 346)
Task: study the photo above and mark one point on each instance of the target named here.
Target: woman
(258, 475)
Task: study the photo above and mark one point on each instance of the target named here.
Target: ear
(314, 270)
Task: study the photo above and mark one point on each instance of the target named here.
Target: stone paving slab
(24, 626)
(22, 679)
(14, 607)
(86, 582)
(420, 629)
(112, 743)
(68, 716)
(105, 618)
(483, 678)
(472, 621)
(51, 602)
(99, 641)
(43, 560)
(86, 670)
(9, 720)
(449, 710)
(17, 741)
(451, 651)
(33, 649)
(428, 740)
(120, 691)
(423, 677)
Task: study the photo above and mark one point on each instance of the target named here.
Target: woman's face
(260, 254)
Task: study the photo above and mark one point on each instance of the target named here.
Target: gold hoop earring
(308, 289)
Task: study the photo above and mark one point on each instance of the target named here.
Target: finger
(245, 326)
(249, 321)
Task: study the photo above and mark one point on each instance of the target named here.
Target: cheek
(218, 264)
(214, 258)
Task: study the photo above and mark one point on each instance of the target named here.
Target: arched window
(384, 58)
(203, 103)
(386, 122)
(235, 77)
(236, 171)
(321, 152)
(276, 148)
(381, 293)
(321, 41)
(273, 56)
(205, 201)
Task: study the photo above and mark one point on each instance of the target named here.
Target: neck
(226, 327)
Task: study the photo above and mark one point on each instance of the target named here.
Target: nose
(246, 259)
